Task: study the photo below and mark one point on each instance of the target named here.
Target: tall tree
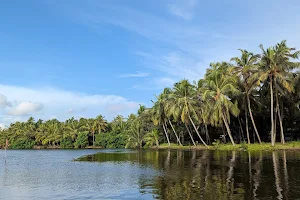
(246, 67)
(276, 66)
(221, 86)
(184, 104)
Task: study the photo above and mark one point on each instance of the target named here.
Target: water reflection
(214, 174)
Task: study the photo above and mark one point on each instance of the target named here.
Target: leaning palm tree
(159, 115)
(205, 108)
(275, 69)
(219, 88)
(164, 97)
(246, 67)
(183, 104)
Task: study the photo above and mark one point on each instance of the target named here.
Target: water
(149, 174)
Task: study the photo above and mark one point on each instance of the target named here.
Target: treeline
(251, 98)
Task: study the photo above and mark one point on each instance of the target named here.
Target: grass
(294, 145)
(174, 146)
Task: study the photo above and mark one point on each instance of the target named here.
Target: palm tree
(275, 68)
(72, 128)
(183, 104)
(152, 138)
(99, 124)
(247, 69)
(165, 98)
(135, 136)
(219, 88)
(159, 115)
(205, 109)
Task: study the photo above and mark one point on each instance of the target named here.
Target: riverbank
(294, 145)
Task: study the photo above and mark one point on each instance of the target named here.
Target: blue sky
(64, 58)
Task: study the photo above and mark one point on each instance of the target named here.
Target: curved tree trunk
(197, 131)
(247, 126)
(272, 114)
(187, 128)
(175, 133)
(228, 130)
(252, 119)
(280, 120)
(166, 134)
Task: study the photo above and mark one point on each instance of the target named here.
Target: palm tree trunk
(156, 142)
(187, 128)
(93, 138)
(241, 129)
(175, 133)
(207, 135)
(247, 126)
(197, 131)
(166, 134)
(272, 114)
(280, 120)
(252, 119)
(228, 130)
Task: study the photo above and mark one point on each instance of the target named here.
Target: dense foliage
(252, 98)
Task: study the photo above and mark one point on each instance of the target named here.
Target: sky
(82, 58)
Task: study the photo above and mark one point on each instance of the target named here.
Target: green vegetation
(254, 98)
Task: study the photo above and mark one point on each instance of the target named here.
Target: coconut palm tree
(72, 128)
(135, 136)
(99, 124)
(246, 68)
(159, 115)
(275, 68)
(165, 98)
(152, 138)
(219, 89)
(183, 104)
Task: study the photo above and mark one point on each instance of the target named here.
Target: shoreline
(291, 146)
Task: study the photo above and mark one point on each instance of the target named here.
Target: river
(149, 174)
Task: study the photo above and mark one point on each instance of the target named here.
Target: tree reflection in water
(185, 174)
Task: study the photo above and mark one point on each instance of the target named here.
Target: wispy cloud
(137, 74)
(183, 8)
(177, 65)
(26, 108)
(4, 102)
(183, 49)
(47, 102)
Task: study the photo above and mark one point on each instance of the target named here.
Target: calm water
(149, 174)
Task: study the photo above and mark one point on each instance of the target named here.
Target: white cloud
(56, 102)
(25, 108)
(164, 82)
(137, 74)
(70, 111)
(183, 8)
(3, 101)
(183, 49)
(175, 64)
(2, 126)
